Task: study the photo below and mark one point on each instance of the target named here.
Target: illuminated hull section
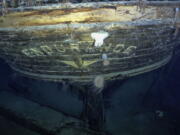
(81, 42)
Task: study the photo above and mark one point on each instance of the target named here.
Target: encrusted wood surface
(56, 57)
(100, 4)
(58, 44)
(86, 14)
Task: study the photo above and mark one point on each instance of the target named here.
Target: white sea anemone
(99, 84)
(99, 81)
(99, 38)
(105, 59)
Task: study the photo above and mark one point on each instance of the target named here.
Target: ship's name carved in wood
(50, 50)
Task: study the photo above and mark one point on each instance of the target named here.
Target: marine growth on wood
(79, 42)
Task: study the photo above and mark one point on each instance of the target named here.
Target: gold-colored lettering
(118, 48)
(59, 48)
(47, 50)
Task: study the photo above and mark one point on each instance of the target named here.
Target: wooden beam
(97, 5)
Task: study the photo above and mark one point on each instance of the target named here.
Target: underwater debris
(99, 38)
(130, 50)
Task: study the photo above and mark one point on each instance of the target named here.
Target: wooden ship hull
(78, 42)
